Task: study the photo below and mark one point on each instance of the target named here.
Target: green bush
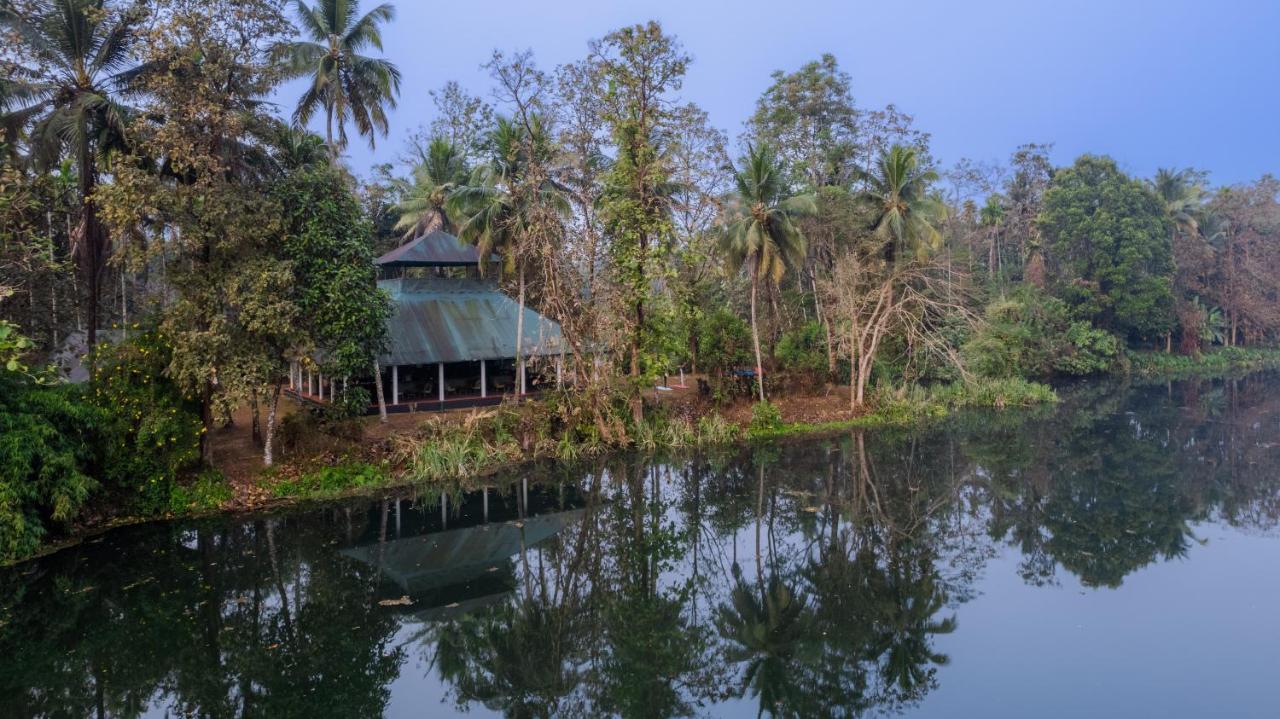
(765, 417)
(154, 431)
(1086, 350)
(1030, 334)
(352, 402)
(51, 442)
(209, 491)
(804, 349)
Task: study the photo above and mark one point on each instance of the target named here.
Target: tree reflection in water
(804, 579)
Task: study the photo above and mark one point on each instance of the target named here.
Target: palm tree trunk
(755, 329)
(91, 240)
(328, 134)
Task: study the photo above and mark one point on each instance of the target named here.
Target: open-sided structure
(452, 334)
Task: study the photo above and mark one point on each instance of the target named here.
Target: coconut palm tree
(508, 201)
(1180, 194)
(68, 99)
(992, 217)
(347, 86)
(904, 213)
(422, 206)
(760, 232)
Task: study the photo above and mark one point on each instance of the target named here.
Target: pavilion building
(452, 334)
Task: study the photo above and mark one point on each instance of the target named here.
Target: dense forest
(163, 218)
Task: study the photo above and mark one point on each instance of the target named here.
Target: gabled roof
(434, 249)
(441, 319)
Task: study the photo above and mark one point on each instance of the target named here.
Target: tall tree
(1180, 193)
(809, 115)
(511, 205)
(78, 60)
(760, 231)
(642, 66)
(1110, 243)
(205, 116)
(347, 86)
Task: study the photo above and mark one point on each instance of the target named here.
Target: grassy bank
(1221, 361)
(484, 443)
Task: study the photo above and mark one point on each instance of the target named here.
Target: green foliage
(207, 492)
(154, 431)
(352, 402)
(765, 417)
(1220, 361)
(1028, 334)
(13, 345)
(804, 349)
(328, 243)
(1086, 350)
(449, 455)
(50, 443)
(331, 480)
(1109, 236)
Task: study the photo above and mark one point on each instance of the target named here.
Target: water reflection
(809, 579)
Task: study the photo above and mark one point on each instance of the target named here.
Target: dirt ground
(240, 458)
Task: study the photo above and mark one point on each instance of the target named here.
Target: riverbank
(364, 456)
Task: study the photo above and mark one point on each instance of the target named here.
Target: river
(1115, 555)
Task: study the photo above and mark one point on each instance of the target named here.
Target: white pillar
(444, 511)
(486, 505)
(321, 386)
(524, 370)
(397, 518)
(484, 392)
(395, 384)
(559, 371)
(440, 380)
(311, 383)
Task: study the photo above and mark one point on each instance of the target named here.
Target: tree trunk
(377, 387)
(520, 336)
(92, 244)
(206, 420)
(755, 330)
(268, 444)
(256, 425)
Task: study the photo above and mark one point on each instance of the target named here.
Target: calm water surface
(1114, 556)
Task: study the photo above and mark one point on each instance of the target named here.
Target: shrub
(209, 491)
(765, 417)
(154, 431)
(1085, 350)
(50, 446)
(724, 343)
(352, 402)
(804, 349)
(1030, 334)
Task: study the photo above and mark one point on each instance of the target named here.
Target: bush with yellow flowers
(155, 432)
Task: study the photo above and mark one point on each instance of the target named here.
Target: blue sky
(1155, 83)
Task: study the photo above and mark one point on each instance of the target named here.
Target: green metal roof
(441, 319)
(434, 249)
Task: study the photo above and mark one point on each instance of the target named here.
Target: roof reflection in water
(451, 557)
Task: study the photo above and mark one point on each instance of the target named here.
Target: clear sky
(1153, 83)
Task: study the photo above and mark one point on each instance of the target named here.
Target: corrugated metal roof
(434, 249)
(440, 319)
